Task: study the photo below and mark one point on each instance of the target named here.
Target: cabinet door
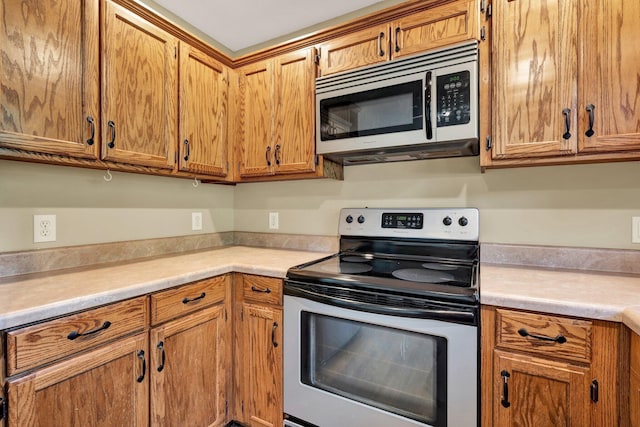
(104, 387)
(49, 76)
(435, 27)
(189, 370)
(204, 90)
(541, 393)
(139, 88)
(294, 147)
(255, 120)
(634, 381)
(534, 78)
(354, 50)
(610, 76)
(261, 358)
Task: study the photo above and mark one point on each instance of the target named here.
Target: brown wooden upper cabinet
(275, 117)
(50, 86)
(139, 90)
(204, 93)
(408, 35)
(562, 85)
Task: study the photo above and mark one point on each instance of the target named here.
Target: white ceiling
(239, 24)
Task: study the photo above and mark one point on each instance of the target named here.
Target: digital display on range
(412, 221)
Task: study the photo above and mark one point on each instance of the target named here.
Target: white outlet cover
(196, 221)
(44, 228)
(635, 229)
(273, 221)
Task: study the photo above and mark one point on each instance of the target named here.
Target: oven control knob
(463, 221)
(360, 219)
(447, 221)
(349, 219)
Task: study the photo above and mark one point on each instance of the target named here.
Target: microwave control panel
(454, 94)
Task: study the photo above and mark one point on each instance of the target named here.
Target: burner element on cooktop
(423, 276)
(349, 268)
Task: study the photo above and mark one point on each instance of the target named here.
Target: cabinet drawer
(260, 289)
(45, 342)
(185, 299)
(551, 336)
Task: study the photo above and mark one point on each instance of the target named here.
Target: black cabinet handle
(264, 291)
(188, 300)
(594, 391)
(112, 125)
(380, 50)
(188, 148)
(92, 126)
(276, 154)
(489, 144)
(144, 366)
(560, 339)
(592, 117)
(267, 155)
(273, 334)
(75, 334)
(567, 123)
(505, 388)
(160, 347)
(397, 37)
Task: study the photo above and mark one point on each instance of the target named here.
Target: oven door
(359, 369)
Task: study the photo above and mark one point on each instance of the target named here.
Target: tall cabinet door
(295, 112)
(189, 370)
(262, 365)
(534, 78)
(139, 89)
(255, 120)
(102, 388)
(49, 102)
(204, 91)
(610, 76)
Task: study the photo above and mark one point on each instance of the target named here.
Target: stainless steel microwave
(424, 106)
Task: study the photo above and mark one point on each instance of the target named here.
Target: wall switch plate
(635, 229)
(44, 228)
(273, 221)
(196, 221)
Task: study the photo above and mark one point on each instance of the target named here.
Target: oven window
(395, 370)
(396, 108)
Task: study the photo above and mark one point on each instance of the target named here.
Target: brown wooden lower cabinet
(106, 387)
(634, 381)
(551, 371)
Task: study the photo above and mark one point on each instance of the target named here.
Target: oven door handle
(468, 317)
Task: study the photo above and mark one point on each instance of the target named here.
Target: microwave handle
(427, 106)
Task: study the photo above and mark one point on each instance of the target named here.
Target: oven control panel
(427, 223)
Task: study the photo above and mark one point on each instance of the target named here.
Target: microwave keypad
(453, 91)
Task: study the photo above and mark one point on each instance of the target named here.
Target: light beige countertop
(34, 297)
(594, 295)
(30, 298)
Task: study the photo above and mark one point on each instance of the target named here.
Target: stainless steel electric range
(385, 332)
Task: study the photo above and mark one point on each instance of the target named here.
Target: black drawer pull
(75, 334)
(567, 123)
(92, 125)
(144, 366)
(590, 109)
(273, 334)
(264, 291)
(560, 339)
(160, 347)
(505, 388)
(112, 125)
(188, 300)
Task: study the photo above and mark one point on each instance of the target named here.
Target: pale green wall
(90, 210)
(580, 205)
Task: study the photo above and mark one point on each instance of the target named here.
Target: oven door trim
(322, 408)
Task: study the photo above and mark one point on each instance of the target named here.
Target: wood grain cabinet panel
(139, 90)
(35, 345)
(105, 387)
(365, 47)
(204, 93)
(49, 77)
(634, 381)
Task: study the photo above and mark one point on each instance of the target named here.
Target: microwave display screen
(388, 109)
(454, 99)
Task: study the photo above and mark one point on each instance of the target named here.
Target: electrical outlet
(635, 229)
(44, 228)
(273, 221)
(196, 221)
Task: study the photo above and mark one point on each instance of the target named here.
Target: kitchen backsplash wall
(579, 205)
(90, 210)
